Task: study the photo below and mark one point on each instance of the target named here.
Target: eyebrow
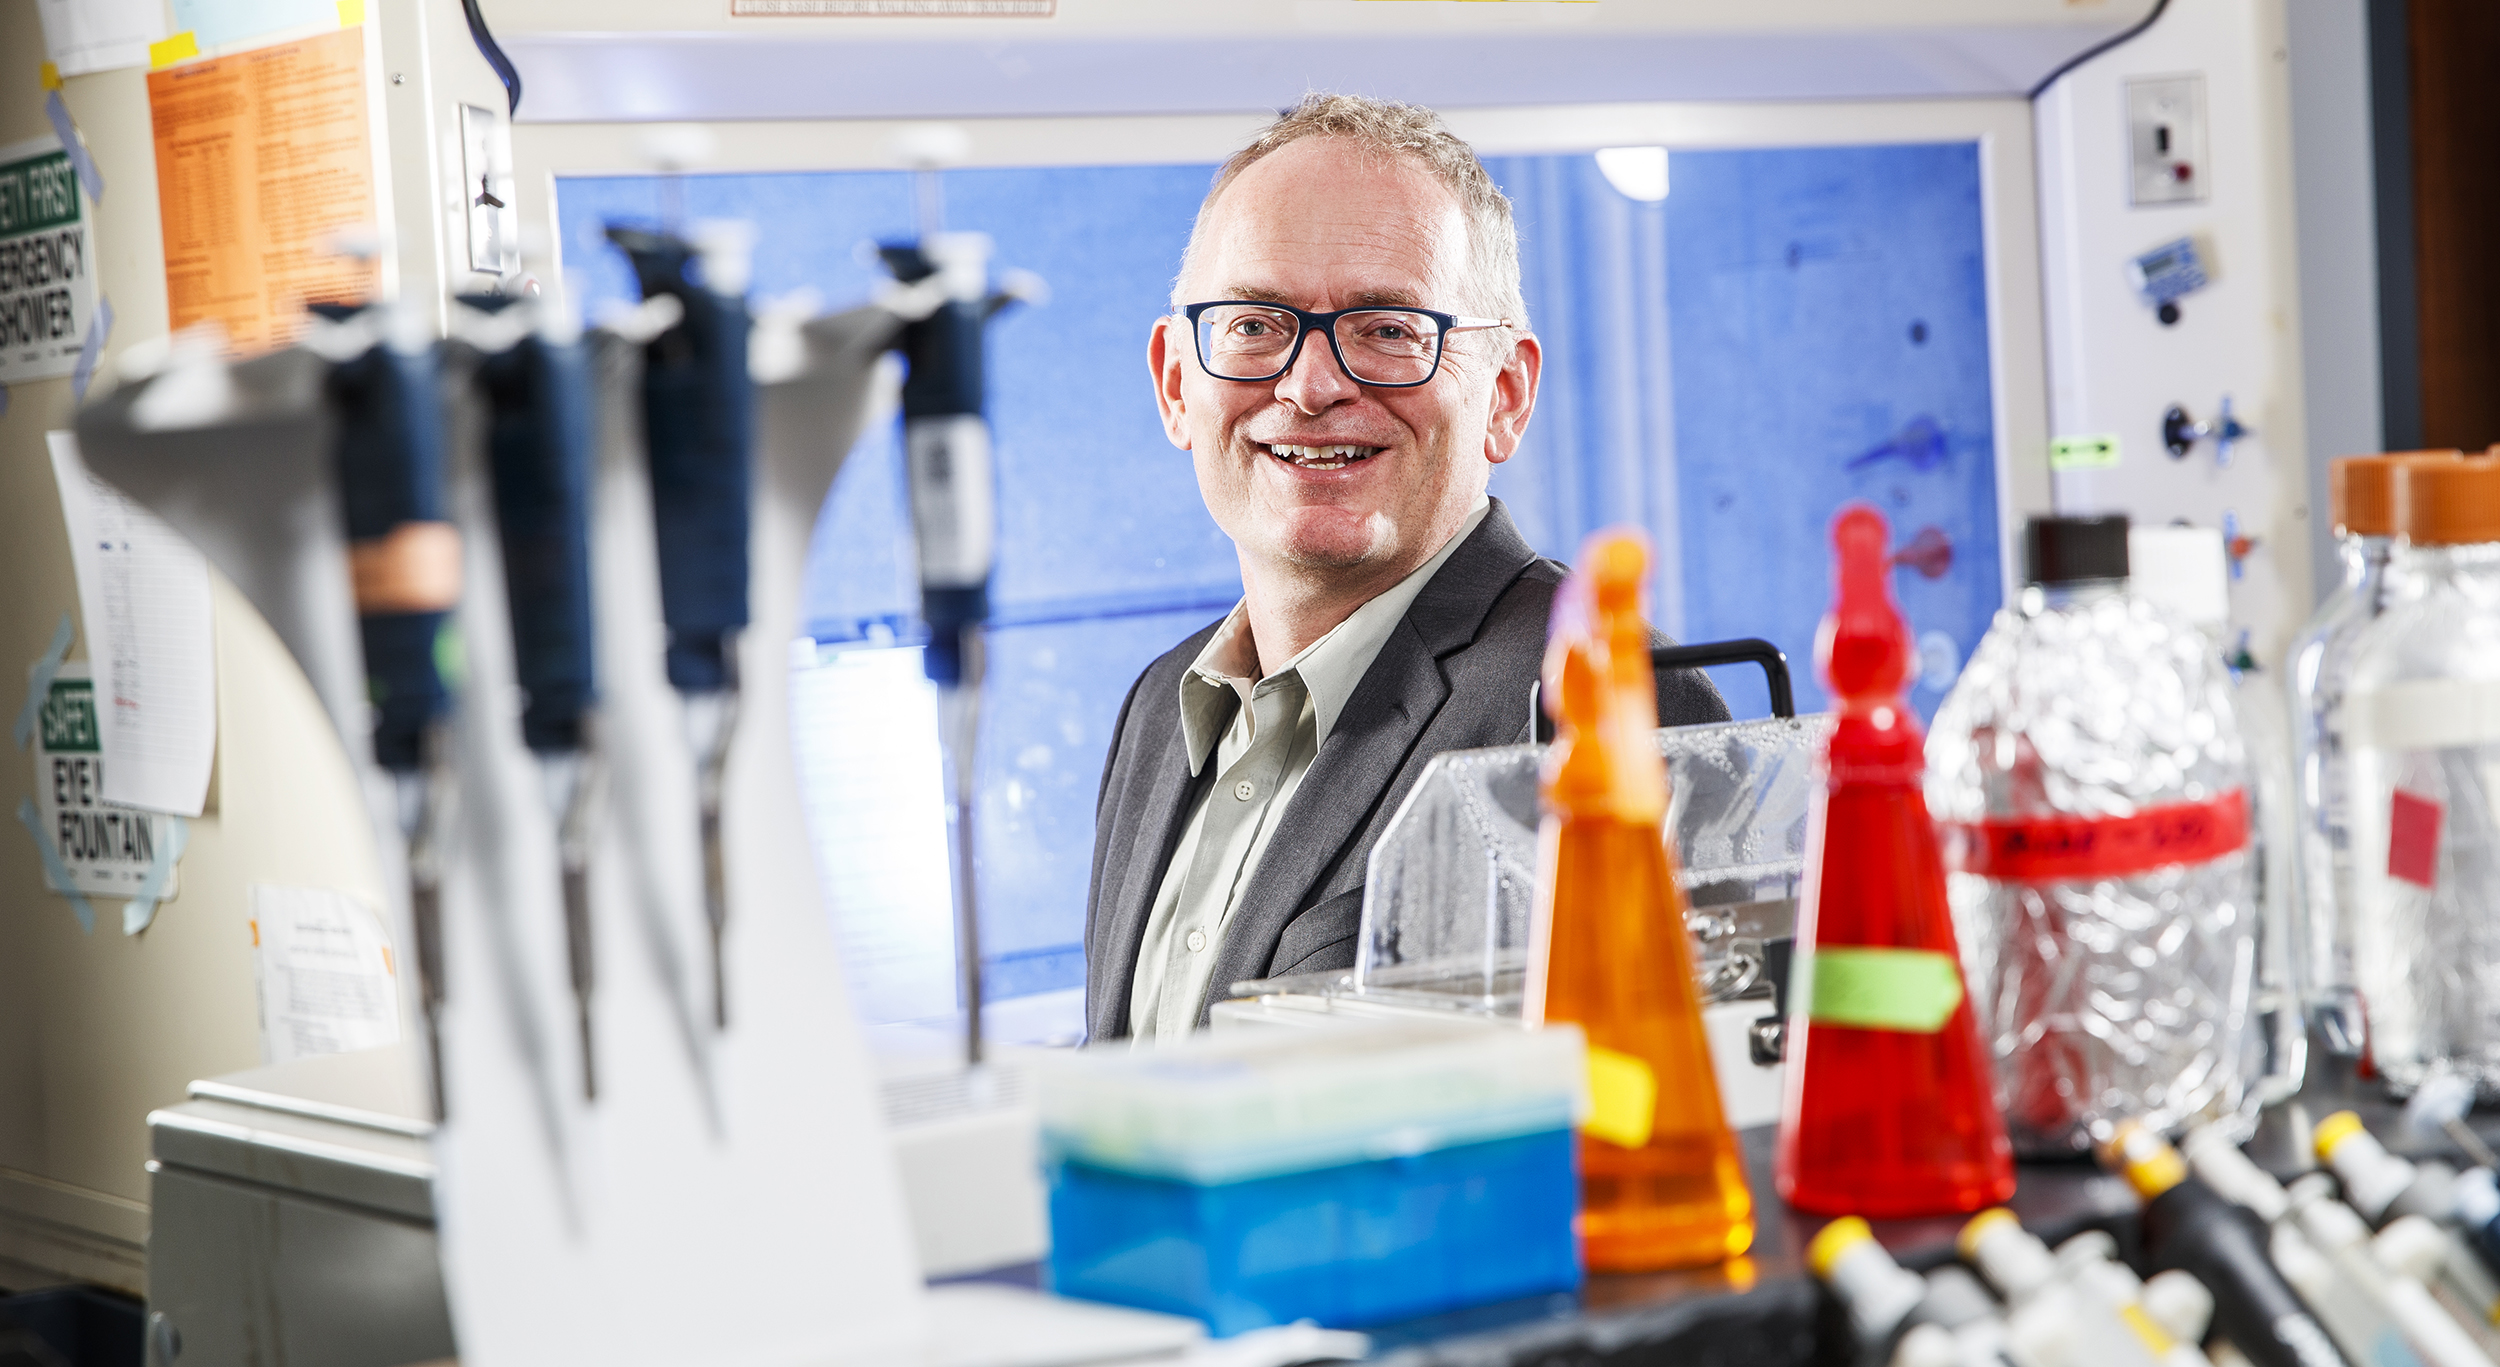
(1258, 294)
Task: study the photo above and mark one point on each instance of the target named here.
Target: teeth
(1322, 457)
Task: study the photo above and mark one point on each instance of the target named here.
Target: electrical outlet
(2166, 140)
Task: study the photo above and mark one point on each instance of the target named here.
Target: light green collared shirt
(1264, 734)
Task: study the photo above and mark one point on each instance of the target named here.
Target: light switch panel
(2166, 140)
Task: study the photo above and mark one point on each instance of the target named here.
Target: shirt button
(1245, 790)
(1197, 941)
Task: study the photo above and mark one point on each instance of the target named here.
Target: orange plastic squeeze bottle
(1890, 1109)
(1661, 1184)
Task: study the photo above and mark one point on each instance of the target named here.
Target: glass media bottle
(2421, 720)
(1661, 1183)
(1890, 1108)
(2090, 773)
(2362, 492)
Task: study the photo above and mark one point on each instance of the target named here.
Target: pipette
(537, 388)
(2190, 1226)
(2384, 1188)
(698, 426)
(2375, 1310)
(404, 561)
(945, 301)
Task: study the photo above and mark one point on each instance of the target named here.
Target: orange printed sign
(262, 159)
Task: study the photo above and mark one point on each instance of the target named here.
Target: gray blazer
(1454, 675)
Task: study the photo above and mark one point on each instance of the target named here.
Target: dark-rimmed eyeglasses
(1387, 348)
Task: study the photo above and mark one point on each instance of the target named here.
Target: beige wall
(97, 1030)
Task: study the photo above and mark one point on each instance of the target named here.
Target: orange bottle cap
(2447, 502)
(2361, 490)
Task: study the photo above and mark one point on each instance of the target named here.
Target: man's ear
(1514, 398)
(1164, 359)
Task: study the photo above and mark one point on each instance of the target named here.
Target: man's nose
(1316, 383)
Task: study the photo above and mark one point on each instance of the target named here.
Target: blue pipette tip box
(1351, 1177)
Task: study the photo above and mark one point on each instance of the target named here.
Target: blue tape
(54, 871)
(98, 328)
(67, 129)
(141, 908)
(39, 680)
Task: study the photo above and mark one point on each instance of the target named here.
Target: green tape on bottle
(1911, 990)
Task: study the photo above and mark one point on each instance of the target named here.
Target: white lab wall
(97, 1030)
(2333, 196)
(2113, 368)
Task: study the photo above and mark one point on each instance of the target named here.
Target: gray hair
(1386, 128)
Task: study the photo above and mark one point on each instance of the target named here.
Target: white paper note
(143, 593)
(325, 969)
(98, 35)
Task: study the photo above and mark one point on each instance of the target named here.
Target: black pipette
(538, 442)
(946, 301)
(404, 557)
(698, 423)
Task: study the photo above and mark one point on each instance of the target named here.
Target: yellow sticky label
(351, 13)
(1623, 1099)
(2155, 1341)
(180, 47)
(51, 76)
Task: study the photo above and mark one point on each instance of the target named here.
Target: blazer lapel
(1156, 819)
(1370, 745)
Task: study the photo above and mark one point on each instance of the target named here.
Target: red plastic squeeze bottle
(1661, 1182)
(1889, 1109)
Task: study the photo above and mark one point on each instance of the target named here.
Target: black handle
(1750, 649)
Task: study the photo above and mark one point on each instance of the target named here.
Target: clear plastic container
(1452, 881)
(2361, 490)
(2094, 788)
(2421, 719)
(1353, 1175)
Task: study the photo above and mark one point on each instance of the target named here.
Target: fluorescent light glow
(1639, 172)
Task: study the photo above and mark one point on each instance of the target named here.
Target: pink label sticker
(2413, 838)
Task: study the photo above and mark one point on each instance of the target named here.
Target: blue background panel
(1789, 330)
(1829, 310)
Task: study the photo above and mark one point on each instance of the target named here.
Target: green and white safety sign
(47, 263)
(98, 848)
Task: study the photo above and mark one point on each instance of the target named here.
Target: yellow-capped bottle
(1661, 1184)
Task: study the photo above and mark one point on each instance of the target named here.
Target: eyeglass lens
(1380, 346)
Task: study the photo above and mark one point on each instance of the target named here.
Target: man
(1347, 359)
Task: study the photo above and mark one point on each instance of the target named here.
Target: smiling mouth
(1322, 457)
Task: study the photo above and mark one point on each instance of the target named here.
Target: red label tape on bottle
(2413, 838)
(2058, 849)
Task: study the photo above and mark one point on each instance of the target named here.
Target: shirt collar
(1330, 667)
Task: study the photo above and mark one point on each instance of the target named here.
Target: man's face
(1322, 226)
